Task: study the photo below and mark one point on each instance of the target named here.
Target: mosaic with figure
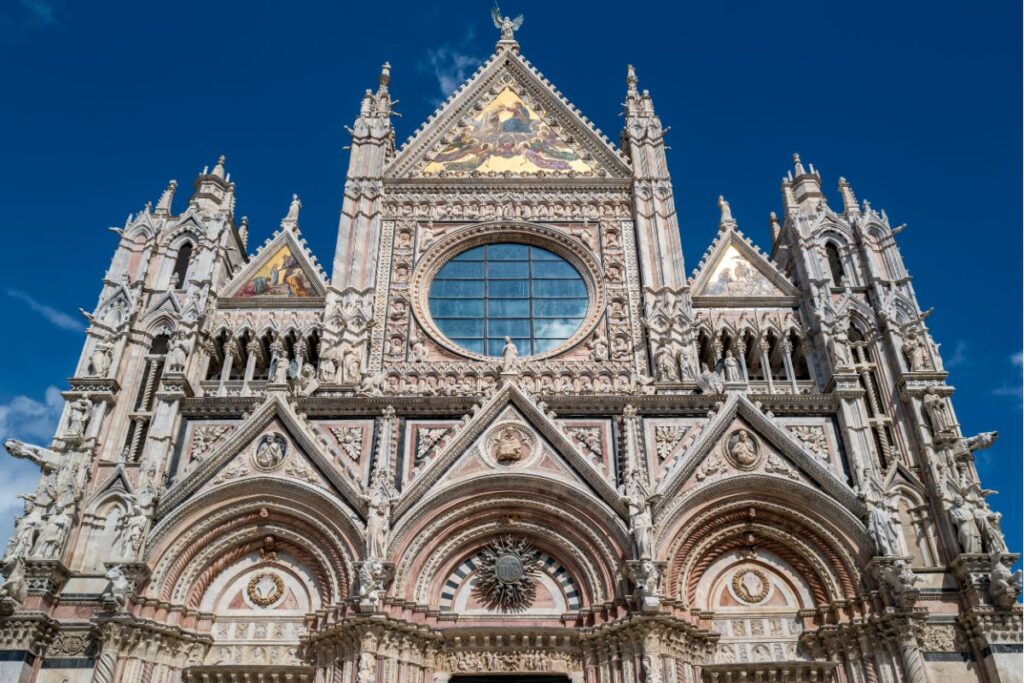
(280, 275)
(506, 136)
(734, 276)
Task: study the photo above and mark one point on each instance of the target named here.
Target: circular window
(498, 290)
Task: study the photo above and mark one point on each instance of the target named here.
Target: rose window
(529, 294)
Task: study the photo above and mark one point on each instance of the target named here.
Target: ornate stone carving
(742, 450)
(269, 452)
(590, 439)
(264, 589)
(813, 437)
(510, 443)
(205, 437)
(427, 439)
(750, 585)
(118, 587)
(350, 439)
(666, 438)
(506, 574)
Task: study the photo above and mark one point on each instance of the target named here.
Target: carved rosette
(264, 589)
(750, 585)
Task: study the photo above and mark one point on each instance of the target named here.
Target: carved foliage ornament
(506, 577)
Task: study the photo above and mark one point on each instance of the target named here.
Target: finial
(773, 223)
(631, 80)
(291, 221)
(506, 25)
(385, 77)
(727, 220)
(243, 232)
(797, 166)
(163, 206)
(218, 170)
(849, 200)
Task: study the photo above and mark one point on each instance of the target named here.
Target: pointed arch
(835, 263)
(182, 261)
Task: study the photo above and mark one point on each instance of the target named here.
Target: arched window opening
(181, 263)
(835, 263)
(142, 412)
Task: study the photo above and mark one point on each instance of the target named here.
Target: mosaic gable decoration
(281, 271)
(508, 135)
(734, 269)
(281, 275)
(734, 275)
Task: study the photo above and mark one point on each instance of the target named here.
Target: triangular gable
(492, 412)
(116, 482)
(734, 271)
(283, 272)
(507, 119)
(273, 408)
(165, 303)
(788, 453)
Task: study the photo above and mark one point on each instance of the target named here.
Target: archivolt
(190, 546)
(589, 539)
(825, 553)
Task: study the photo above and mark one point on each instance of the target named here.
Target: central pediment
(508, 121)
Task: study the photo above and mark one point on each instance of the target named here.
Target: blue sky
(917, 104)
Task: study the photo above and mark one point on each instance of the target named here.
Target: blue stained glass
(459, 270)
(530, 294)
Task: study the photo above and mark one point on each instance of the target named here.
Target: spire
(243, 232)
(726, 221)
(218, 169)
(806, 185)
(508, 27)
(798, 168)
(849, 200)
(163, 206)
(384, 79)
(213, 190)
(291, 221)
(632, 105)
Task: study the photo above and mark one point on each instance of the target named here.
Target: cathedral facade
(509, 438)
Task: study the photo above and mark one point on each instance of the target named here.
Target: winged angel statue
(508, 25)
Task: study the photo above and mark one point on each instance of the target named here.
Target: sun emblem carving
(506, 576)
(750, 585)
(265, 589)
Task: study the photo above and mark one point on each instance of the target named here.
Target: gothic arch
(819, 538)
(191, 546)
(586, 537)
(102, 530)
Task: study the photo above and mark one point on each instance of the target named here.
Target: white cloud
(23, 18)
(960, 357)
(451, 64)
(55, 317)
(30, 420)
(1018, 359)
